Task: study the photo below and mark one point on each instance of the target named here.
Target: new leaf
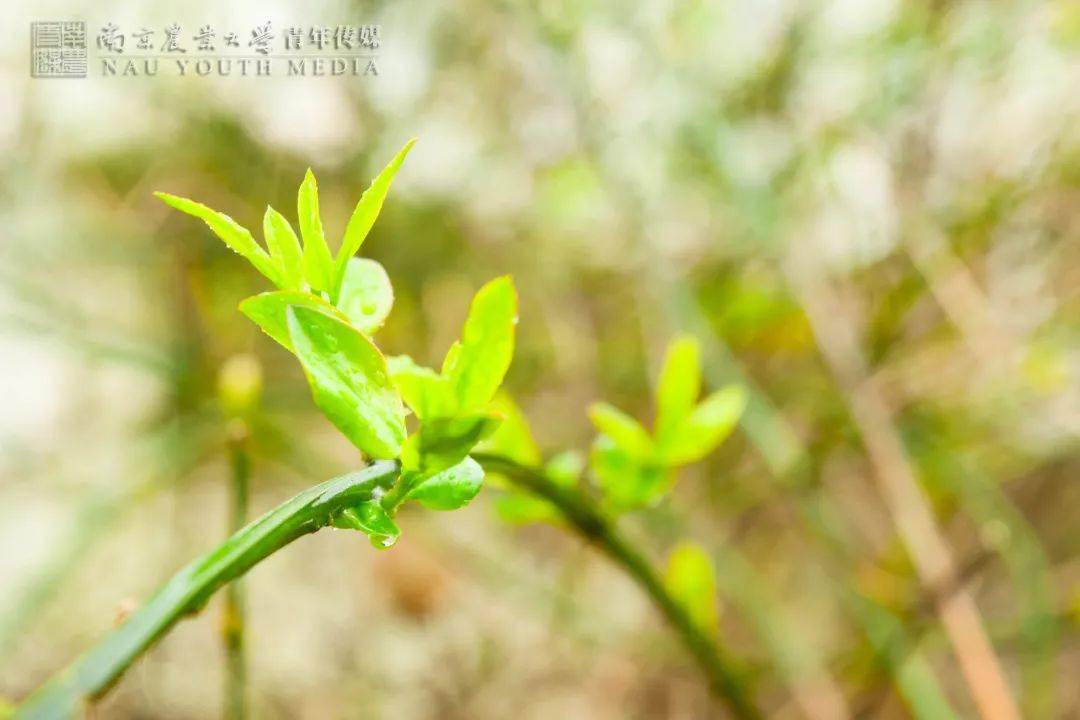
(363, 217)
(450, 489)
(317, 263)
(691, 580)
(477, 364)
(366, 294)
(705, 427)
(284, 248)
(679, 385)
(232, 233)
(349, 381)
(269, 312)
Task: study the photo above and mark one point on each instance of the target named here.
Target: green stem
(189, 590)
(233, 623)
(715, 662)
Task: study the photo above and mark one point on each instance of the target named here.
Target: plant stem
(232, 628)
(717, 664)
(188, 591)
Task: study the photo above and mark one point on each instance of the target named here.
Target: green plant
(632, 468)
(324, 310)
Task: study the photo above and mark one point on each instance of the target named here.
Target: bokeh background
(866, 210)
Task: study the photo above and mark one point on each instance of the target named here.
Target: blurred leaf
(349, 381)
(565, 468)
(679, 384)
(702, 430)
(476, 366)
(284, 248)
(425, 391)
(370, 518)
(519, 508)
(513, 438)
(449, 489)
(691, 580)
(443, 442)
(317, 263)
(626, 482)
(236, 236)
(623, 430)
(366, 294)
(363, 217)
(267, 310)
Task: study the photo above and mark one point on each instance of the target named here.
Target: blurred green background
(866, 210)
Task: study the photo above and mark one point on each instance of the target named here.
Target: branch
(189, 590)
(719, 667)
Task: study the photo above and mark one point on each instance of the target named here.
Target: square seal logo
(58, 49)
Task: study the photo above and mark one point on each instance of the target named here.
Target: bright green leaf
(425, 391)
(370, 518)
(443, 442)
(477, 364)
(349, 381)
(366, 294)
(450, 489)
(232, 233)
(705, 427)
(625, 431)
(679, 384)
(691, 580)
(284, 248)
(267, 310)
(317, 263)
(363, 217)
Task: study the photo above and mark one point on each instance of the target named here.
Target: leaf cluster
(326, 309)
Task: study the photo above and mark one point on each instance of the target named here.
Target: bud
(239, 384)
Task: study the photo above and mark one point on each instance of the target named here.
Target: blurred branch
(908, 506)
(586, 520)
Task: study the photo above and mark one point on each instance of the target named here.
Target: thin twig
(233, 621)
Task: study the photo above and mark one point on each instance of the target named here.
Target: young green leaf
(425, 391)
(624, 431)
(476, 366)
(284, 248)
(513, 438)
(268, 311)
(679, 384)
(366, 294)
(627, 483)
(443, 442)
(232, 233)
(363, 217)
(691, 580)
(705, 427)
(349, 381)
(317, 263)
(450, 489)
(370, 518)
